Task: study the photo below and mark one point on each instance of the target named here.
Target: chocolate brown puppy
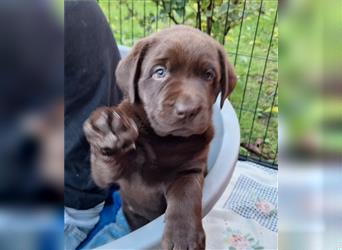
(154, 145)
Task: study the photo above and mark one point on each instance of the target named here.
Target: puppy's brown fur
(155, 143)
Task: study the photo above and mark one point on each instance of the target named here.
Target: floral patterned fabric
(245, 217)
(254, 200)
(239, 241)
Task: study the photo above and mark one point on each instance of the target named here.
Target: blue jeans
(111, 232)
(78, 223)
(87, 229)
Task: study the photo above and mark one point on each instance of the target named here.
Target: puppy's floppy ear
(228, 77)
(129, 69)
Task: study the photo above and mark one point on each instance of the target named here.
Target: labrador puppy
(154, 145)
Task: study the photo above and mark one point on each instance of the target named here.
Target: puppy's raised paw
(110, 131)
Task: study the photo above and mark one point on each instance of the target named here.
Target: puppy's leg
(183, 229)
(111, 134)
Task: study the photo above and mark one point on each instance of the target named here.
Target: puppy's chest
(168, 152)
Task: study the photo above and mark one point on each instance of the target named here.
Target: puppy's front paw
(181, 236)
(110, 131)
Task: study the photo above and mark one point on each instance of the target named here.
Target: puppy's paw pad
(110, 131)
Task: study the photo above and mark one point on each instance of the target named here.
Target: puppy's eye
(209, 75)
(159, 72)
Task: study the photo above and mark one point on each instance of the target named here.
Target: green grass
(132, 26)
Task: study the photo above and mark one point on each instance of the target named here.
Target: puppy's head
(176, 74)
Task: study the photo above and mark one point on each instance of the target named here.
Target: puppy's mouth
(176, 128)
(184, 132)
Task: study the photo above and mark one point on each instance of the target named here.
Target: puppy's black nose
(186, 109)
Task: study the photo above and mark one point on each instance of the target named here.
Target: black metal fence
(249, 32)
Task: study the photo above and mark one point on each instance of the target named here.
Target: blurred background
(310, 122)
(31, 124)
